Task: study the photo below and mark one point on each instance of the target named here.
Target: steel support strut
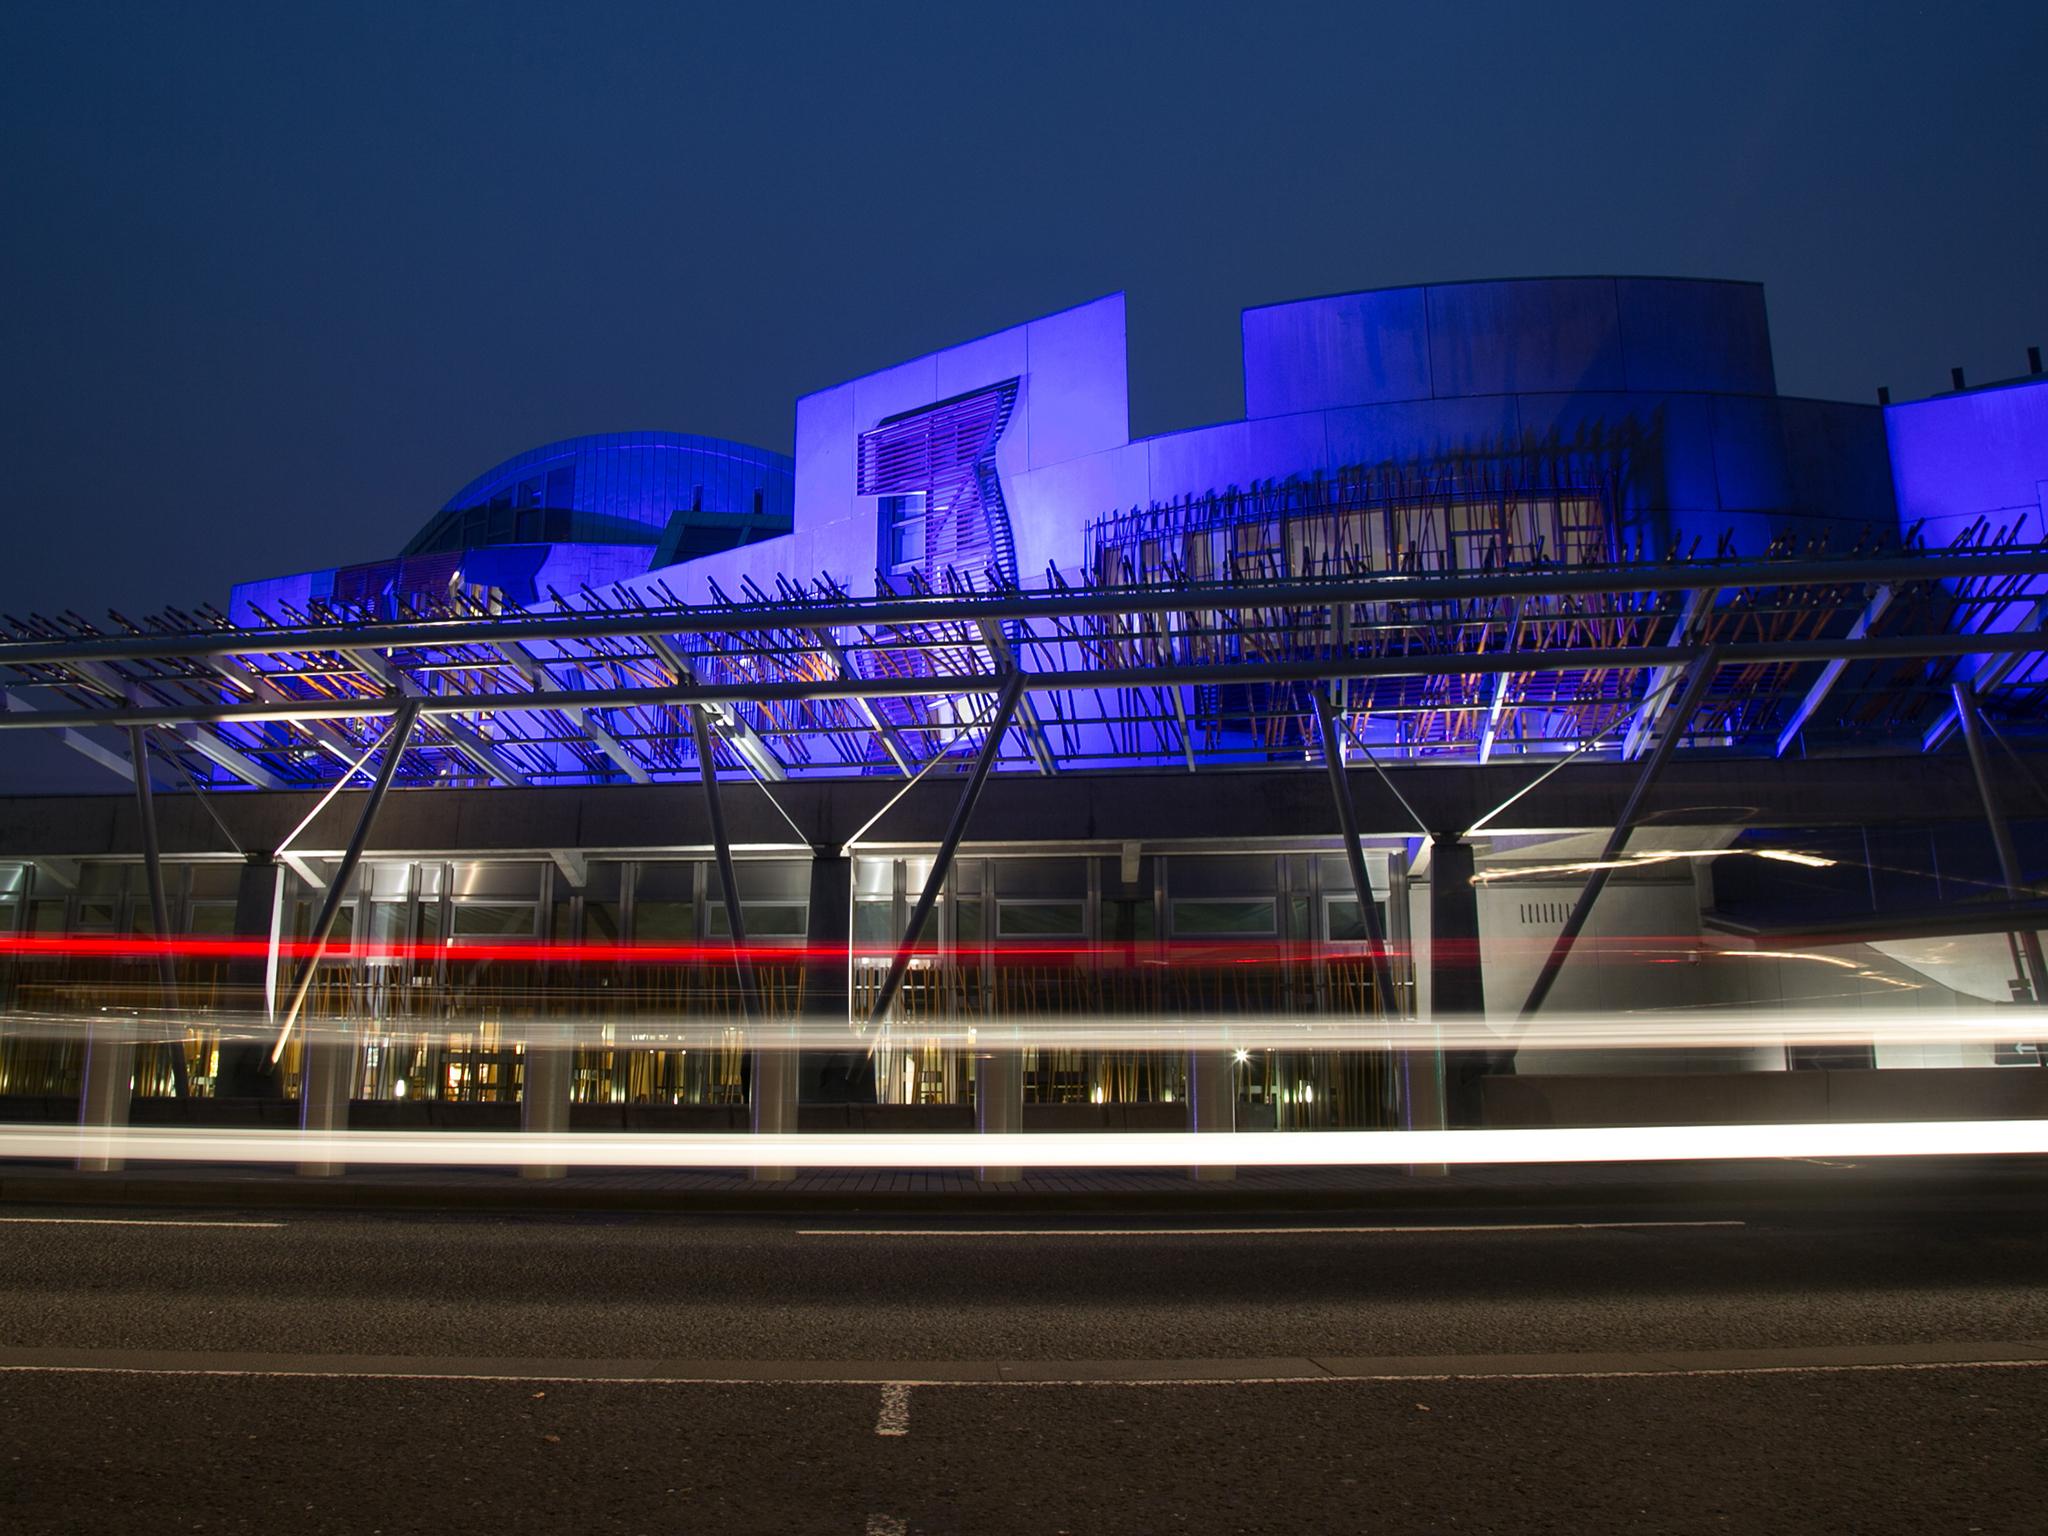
(395, 742)
(159, 908)
(1675, 723)
(1354, 854)
(1006, 707)
(721, 847)
(2001, 834)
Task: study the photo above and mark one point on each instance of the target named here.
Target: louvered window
(940, 504)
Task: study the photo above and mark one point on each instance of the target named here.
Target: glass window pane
(967, 921)
(664, 922)
(872, 927)
(492, 920)
(600, 922)
(765, 919)
(215, 918)
(1194, 919)
(1040, 919)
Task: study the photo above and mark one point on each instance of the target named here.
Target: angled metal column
(159, 908)
(721, 848)
(772, 1069)
(395, 741)
(1006, 706)
(1354, 855)
(2001, 834)
(1676, 721)
(1831, 672)
(324, 1063)
(1418, 1073)
(1444, 1087)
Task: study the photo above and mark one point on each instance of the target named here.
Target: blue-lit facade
(1447, 428)
(622, 606)
(582, 513)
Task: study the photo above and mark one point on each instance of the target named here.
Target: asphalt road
(1773, 1371)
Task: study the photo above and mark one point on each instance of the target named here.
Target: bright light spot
(398, 1089)
(1240, 1055)
(1308, 1094)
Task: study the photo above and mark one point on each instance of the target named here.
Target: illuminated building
(1464, 534)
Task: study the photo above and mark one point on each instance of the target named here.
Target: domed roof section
(618, 488)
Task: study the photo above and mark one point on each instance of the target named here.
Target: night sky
(280, 278)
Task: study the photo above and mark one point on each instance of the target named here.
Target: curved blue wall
(613, 488)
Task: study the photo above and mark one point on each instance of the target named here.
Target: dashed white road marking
(123, 1221)
(894, 1419)
(885, 1525)
(1478, 1226)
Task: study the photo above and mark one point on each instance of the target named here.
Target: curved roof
(611, 488)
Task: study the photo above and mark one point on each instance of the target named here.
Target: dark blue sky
(280, 278)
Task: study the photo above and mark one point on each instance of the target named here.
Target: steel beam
(1831, 672)
(205, 740)
(217, 749)
(395, 742)
(1494, 705)
(958, 608)
(538, 678)
(1416, 664)
(892, 739)
(1354, 855)
(466, 739)
(984, 760)
(1028, 723)
(159, 908)
(721, 848)
(1683, 634)
(1965, 700)
(13, 704)
(1990, 671)
(732, 726)
(1703, 671)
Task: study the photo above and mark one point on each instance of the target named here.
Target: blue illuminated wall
(1979, 454)
(1661, 388)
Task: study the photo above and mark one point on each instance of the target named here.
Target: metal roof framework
(1541, 661)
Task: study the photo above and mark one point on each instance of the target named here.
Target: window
(492, 920)
(932, 471)
(764, 919)
(902, 531)
(1209, 917)
(1040, 919)
(214, 918)
(1346, 926)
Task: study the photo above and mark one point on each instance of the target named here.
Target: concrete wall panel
(1080, 394)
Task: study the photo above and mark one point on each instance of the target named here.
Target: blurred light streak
(1233, 1032)
(1114, 1149)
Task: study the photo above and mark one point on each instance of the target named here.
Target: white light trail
(1108, 1149)
(1237, 1034)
